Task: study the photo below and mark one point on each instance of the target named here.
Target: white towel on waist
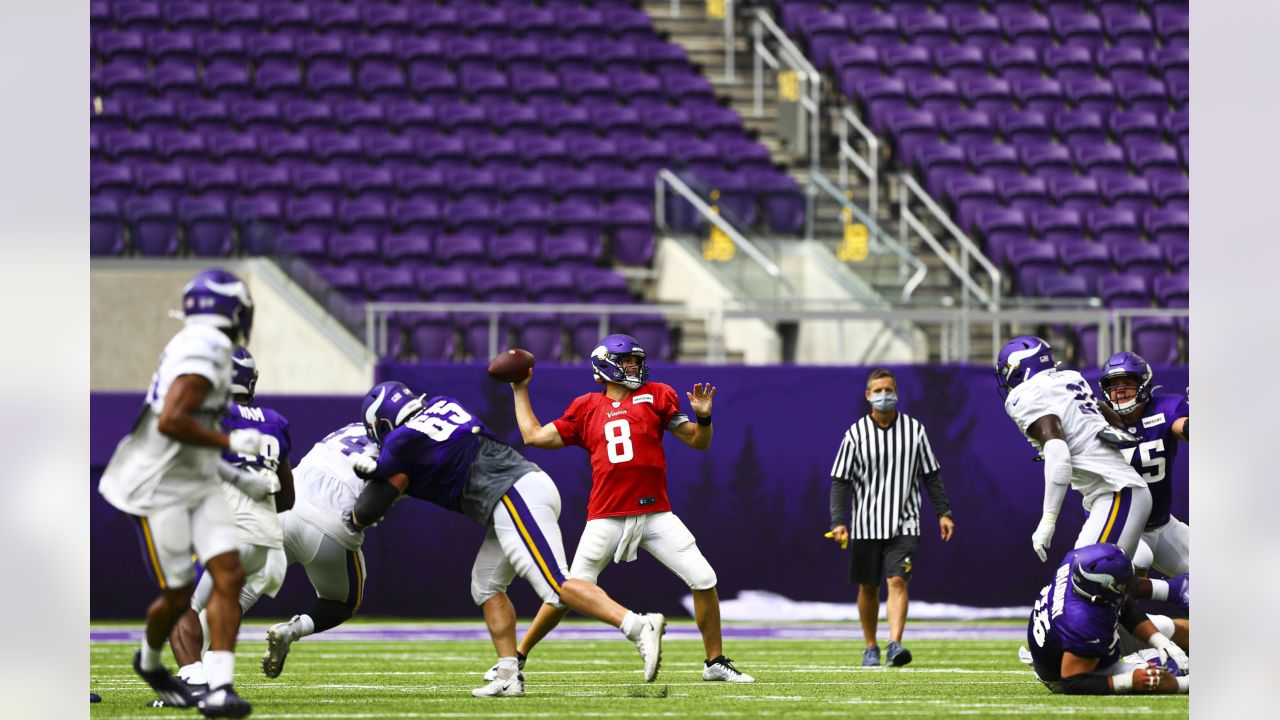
(629, 544)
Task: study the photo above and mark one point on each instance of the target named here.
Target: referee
(875, 474)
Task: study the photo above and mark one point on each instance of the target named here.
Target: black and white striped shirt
(880, 467)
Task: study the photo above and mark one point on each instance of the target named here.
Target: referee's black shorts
(869, 560)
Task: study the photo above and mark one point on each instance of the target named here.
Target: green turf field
(601, 679)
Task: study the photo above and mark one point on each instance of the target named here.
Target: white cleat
(722, 669)
(650, 643)
(512, 686)
(279, 638)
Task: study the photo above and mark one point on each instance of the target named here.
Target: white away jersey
(150, 469)
(1096, 467)
(325, 485)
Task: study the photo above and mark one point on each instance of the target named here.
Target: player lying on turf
(1074, 625)
(621, 427)
(256, 487)
(435, 450)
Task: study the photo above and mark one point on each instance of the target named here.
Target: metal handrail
(666, 177)
(967, 245)
(868, 166)
(877, 232)
(810, 100)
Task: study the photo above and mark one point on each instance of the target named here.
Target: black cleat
(224, 703)
(95, 697)
(172, 691)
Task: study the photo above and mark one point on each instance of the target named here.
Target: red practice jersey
(628, 464)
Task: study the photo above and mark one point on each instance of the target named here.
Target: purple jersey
(274, 428)
(1154, 457)
(452, 460)
(1062, 621)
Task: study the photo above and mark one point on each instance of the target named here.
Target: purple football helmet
(218, 298)
(244, 375)
(604, 361)
(1126, 365)
(1019, 359)
(1101, 573)
(386, 407)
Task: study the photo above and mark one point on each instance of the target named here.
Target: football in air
(511, 366)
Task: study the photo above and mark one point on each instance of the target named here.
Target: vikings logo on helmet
(1126, 365)
(387, 406)
(605, 361)
(218, 298)
(1101, 573)
(1019, 359)
(244, 374)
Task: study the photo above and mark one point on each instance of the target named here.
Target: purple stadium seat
(309, 214)
(1080, 127)
(740, 153)
(256, 115)
(926, 29)
(137, 15)
(1172, 291)
(472, 215)
(992, 95)
(460, 248)
(994, 158)
(1153, 159)
(909, 62)
(286, 17)
(226, 146)
(1131, 126)
(1047, 160)
(1172, 25)
(1118, 226)
(1069, 63)
(441, 152)
(383, 84)
(570, 185)
(370, 53)
(1143, 94)
(533, 22)
(1024, 127)
(1101, 160)
(1078, 28)
(258, 219)
(851, 63)
(485, 22)
(122, 79)
(1091, 94)
(436, 22)
(1173, 63)
(1014, 63)
(271, 52)
(275, 147)
(1156, 339)
(1171, 191)
(631, 227)
(166, 181)
(684, 86)
(176, 81)
(150, 115)
(977, 28)
(576, 217)
(207, 226)
(410, 247)
(603, 285)
(1077, 193)
(204, 115)
(960, 62)
(1057, 225)
(1123, 64)
(390, 283)
(106, 233)
(516, 247)
(152, 224)
(568, 250)
(186, 147)
(1144, 259)
(1129, 28)
(386, 19)
(1022, 192)
(1177, 254)
(112, 181)
(1165, 224)
(1127, 192)
(965, 127)
(999, 227)
(1027, 28)
(187, 15)
(1124, 291)
(880, 97)
(361, 117)
(120, 45)
(356, 248)
(823, 31)
(593, 153)
(1063, 286)
(301, 115)
(938, 163)
(1043, 94)
(227, 82)
(968, 194)
(317, 182)
(1030, 260)
(1089, 260)
(652, 332)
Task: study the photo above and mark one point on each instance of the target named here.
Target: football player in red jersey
(628, 509)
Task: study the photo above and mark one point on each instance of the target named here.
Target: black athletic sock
(328, 614)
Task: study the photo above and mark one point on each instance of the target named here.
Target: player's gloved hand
(1172, 657)
(364, 466)
(258, 485)
(245, 441)
(1180, 589)
(1042, 538)
(1117, 437)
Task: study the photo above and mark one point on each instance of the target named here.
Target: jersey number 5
(617, 435)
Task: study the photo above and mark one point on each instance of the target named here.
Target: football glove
(1180, 589)
(1116, 437)
(364, 466)
(1042, 538)
(1172, 657)
(245, 441)
(257, 485)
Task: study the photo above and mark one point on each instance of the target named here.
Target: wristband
(1122, 684)
(1159, 592)
(1184, 684)
(703, 421)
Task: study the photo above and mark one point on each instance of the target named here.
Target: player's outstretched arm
(1182, 429)
(533, 432)
(697, 434)
(1057, 478)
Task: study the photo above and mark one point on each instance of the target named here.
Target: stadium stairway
(704, 41)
